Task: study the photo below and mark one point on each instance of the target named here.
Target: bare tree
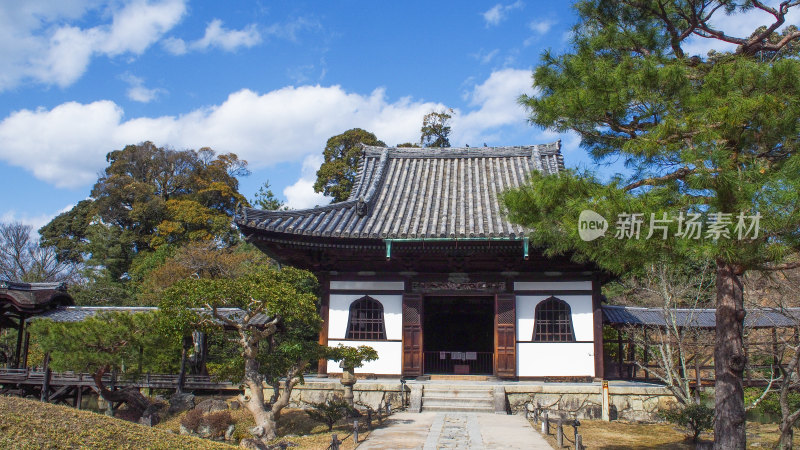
(673, 341)
(778, 293)
(22, 259)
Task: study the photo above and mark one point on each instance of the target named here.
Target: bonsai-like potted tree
(349, 359)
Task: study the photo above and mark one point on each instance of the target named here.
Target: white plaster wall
(390, 356)
(557, 359)
(552, 285)
(389, 353)
(580, 305)
(339, 313)
(368, 285)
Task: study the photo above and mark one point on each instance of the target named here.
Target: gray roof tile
(420, 193)
(697, 318)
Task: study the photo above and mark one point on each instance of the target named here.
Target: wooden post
(79, 397)
(334, 442)
(578, 442)
(697, 378)
(325, 300)
(25, 342)
(630, 358)
(599, 369)
(45, 397)
(619, 352)
(646, 356)
(17, 353)
(560, 433)
(546, 424)
(355, 431)
(606, 413)
(775, 362)
(369, 419)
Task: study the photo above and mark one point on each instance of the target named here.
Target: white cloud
(38, 43)
(66, 145)
(485, 57)
(292, 28)
(301, 195)
(496, 106)
(216, 36)
(35, 221)
(138, 92)
(541, 26)
(499, 12)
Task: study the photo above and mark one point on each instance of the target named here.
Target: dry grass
(29, 424)
(294, 426)
(628, 436)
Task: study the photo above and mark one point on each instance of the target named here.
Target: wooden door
(412, 335)
(505, 336)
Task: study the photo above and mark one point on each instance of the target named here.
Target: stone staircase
(449, 398)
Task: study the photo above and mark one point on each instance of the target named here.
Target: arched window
(366, 320)
(553, 322)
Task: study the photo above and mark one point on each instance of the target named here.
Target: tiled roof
(697, 318)
(79, 313)
(420, 193)
(33, 297)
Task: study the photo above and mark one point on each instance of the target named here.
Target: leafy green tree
(275, 334)
(337, 173)
(266, 199)
(714, 136)
(435, 131)
(146, 198)
(120, 342)
(408, 145)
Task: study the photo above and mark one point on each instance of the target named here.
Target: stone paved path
(455, 431)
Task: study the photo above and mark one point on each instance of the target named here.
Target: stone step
(451, 408)
(458, 401)
(458, 393)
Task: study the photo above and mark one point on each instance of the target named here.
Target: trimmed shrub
(329, 412)
(218, 422)
(192, 420)
(693, 418)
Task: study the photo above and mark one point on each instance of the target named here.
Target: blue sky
(269, 81)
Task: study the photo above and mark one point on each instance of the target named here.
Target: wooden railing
(156, 381)
(460, 363)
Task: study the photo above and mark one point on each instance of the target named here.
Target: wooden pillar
(775, 360)
(79, 396)
(18, 352)
(631, 356)
(45, 397)
(646, 356)
(325, 301)
(26, 338)
(619, 352)
(599, 370)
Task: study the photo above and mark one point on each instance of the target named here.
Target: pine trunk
(729, 360)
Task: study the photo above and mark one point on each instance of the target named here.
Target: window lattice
(366, 320)
(553, 322)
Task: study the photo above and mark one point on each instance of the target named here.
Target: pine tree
(709, 140)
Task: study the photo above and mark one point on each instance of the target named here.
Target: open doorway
(458, 335)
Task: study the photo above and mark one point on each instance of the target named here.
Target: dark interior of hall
(458, 335)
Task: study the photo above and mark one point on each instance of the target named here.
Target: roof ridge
(549, 149)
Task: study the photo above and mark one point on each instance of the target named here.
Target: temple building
(421, 264)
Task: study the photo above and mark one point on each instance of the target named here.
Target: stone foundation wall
(629, 403)
(366, 394)
(567, 400)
